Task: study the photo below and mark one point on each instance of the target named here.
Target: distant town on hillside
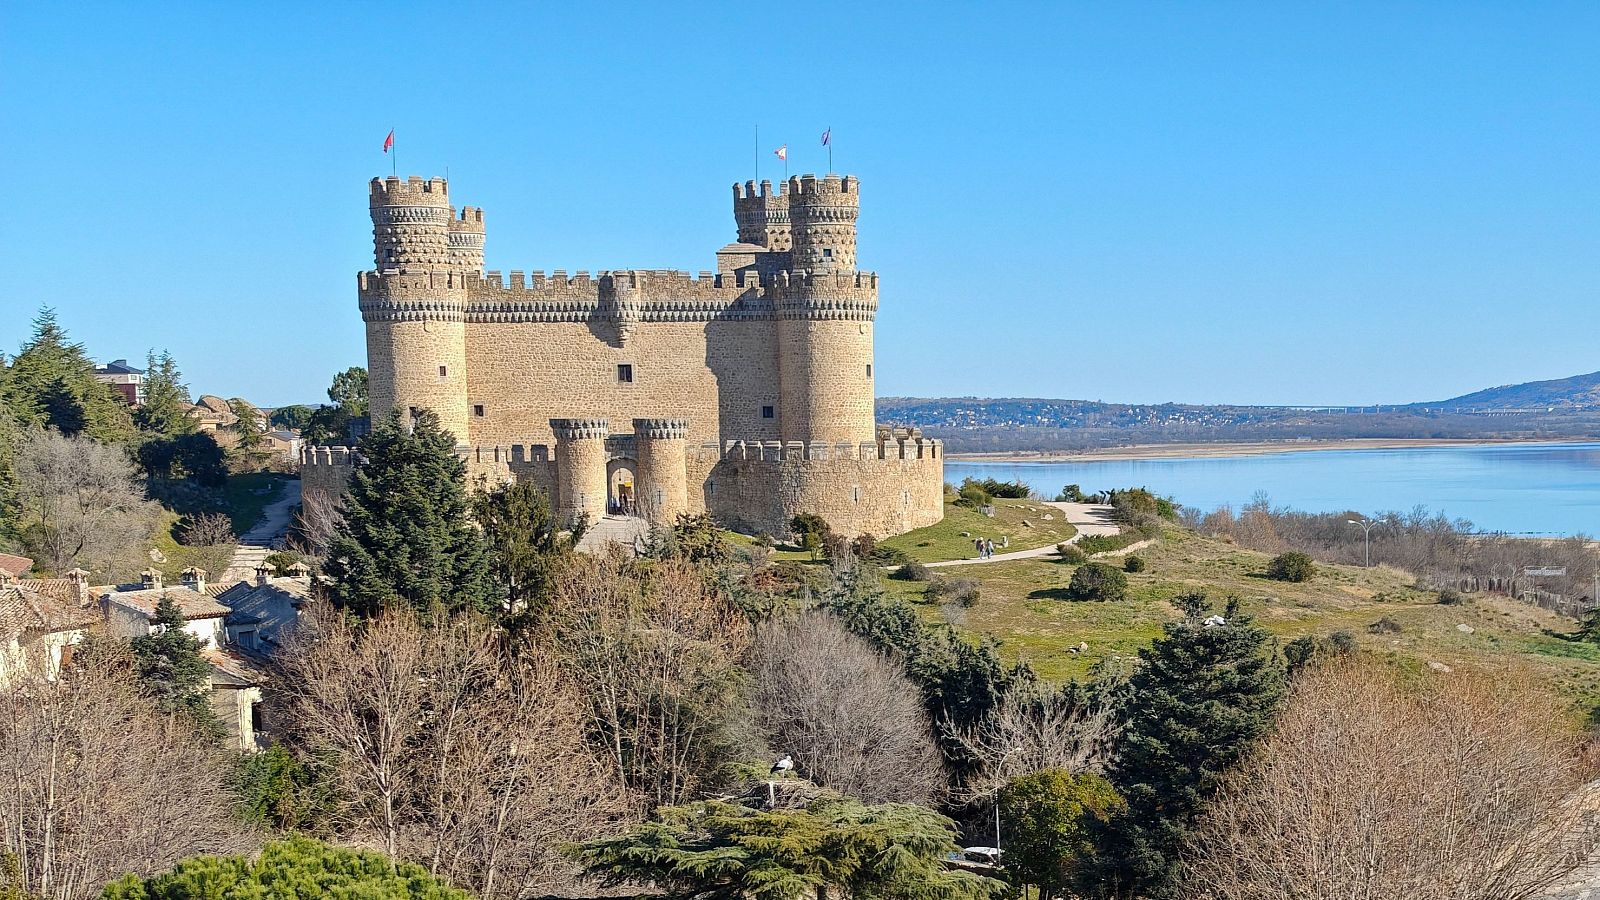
(1559, 408)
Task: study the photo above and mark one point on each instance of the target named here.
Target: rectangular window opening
(477, 410)
(443, 371)
(767, 412)
(625, 373)
(869, 370)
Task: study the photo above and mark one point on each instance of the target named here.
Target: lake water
(1547, 489)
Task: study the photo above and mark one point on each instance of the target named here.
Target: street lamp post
(998, 784)
(1366, 526)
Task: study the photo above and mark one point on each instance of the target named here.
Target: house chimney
(263, 574)
(7, 577)
(151, 578)
(80, 580)
(299, 570)
(194, 578)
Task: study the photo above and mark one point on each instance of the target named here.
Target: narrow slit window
(869, 370)
(443, 371)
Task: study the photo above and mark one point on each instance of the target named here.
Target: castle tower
(762, 216)
(662, 447)
(825, 318)
(466, 239)
(581, 487)
(414, 305)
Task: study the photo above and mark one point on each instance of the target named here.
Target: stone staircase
(267, 535)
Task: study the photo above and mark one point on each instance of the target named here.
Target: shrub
(960, 590)
(1071, 553)
(1097, 581)
(206, 530)
(1133, 564)
(890, 556)
(765, 540)
(864, 546)
(1307, 648)
(1343, 641)
(1011, 490)
(1384, 625)
(836, 546)
(912, 571)
(1452, 597)
(1292, 566)
(972, 495)
(1071, 494)
(810, 523)
(1106, 543)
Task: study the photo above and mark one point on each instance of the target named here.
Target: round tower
(466, 239)
(762, 216)
(822, 222)
(580, 468)
(662, 448)
(825, 317)
(414, 306)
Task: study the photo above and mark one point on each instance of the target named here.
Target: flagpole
(394, 159)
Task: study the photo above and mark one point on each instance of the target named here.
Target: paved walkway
(624, 530)
(267, 535)
(1088, 518)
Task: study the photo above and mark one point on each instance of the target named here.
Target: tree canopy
(288, 870)
(51, 382)
(725, 851)
(407, 539)
(172, 671)
(165, 411)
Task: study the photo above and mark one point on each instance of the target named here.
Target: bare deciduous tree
(315, 523)
(449, 750)
(1036, 728)
(97, 784)
(1466, 788)
(849, 715)
(80, 502)
(654, 651)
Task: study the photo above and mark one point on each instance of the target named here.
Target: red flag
(388, 141)
(782, 152)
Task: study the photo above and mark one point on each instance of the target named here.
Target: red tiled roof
(23, 610)
(14, 565)
(192, 603)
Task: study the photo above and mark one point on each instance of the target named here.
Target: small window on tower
(827, 253)
(443, 371)
(869, 370)
(625, 373)
(766, 412)
(477, 410)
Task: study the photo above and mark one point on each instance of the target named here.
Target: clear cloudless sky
(1205, 202)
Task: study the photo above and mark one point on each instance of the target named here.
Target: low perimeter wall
(883, 488)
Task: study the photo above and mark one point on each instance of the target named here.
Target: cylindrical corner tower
(662, 448)
(762, 216)
(414, 306)
(580, 468)
(825, 317)
(466, 240)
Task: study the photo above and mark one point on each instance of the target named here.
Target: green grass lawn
(1024, 522)
(1022, 605)
(245, 496)
(179, 557)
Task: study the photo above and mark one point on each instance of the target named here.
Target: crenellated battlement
(808, 188)
(392, 191)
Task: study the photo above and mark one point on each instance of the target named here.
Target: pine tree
(171, 670)
(724, 851)
(51, 382)
(407, 539)
(524, 540)
(1204, 692)
(165, 411)
(294, 867)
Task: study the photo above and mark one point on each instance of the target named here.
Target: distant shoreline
(1221, 450)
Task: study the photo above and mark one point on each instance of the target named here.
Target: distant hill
(1561, 408)
(1577, 392)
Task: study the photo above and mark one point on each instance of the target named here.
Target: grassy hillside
(1023, 605)
(1026, 523)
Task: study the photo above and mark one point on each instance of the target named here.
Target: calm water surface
(1525, 488)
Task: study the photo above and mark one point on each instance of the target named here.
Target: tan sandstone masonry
(774, 346)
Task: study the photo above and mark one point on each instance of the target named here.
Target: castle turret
(662, 449)
(825, 318)
(466, 239)
(415, 304)
(580, 468)
(762, 216)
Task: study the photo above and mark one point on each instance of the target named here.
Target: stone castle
(746, 392)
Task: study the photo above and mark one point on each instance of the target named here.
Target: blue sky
(1204, 202)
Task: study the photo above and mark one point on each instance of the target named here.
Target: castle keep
(746, 392)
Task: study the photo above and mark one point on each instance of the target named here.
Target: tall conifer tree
(407, 539)
(1205, 692)
(51, 382)
(166, 398)
(172, 671)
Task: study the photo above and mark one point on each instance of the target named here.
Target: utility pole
(1366, 527)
